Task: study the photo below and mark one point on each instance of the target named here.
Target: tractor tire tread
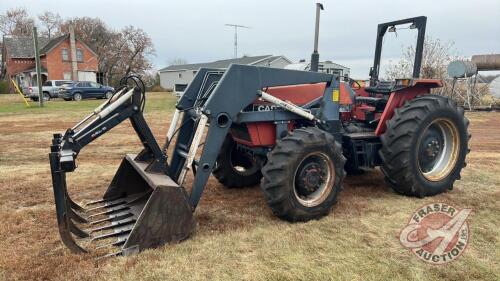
(397, 145)
(278, 174)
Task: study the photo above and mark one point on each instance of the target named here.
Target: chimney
(72, 42)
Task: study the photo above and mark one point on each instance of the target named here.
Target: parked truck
(50, 89)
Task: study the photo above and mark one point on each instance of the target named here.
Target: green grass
(13, 104)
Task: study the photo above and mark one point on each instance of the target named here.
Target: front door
(96, 89)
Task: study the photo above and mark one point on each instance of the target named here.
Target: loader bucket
(139, 210)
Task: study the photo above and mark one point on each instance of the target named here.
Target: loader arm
(126, 106)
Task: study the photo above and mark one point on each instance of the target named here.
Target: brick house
(18, 60)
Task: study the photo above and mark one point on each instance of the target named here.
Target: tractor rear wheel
(235, 167)
(424, 146)
(303, 175)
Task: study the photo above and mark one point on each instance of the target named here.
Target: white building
(323, 66)
(179, 76)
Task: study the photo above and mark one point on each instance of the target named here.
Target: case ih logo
(437, 233)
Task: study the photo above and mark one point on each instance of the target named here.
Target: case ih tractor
(293, 132)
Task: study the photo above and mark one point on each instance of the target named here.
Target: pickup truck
(50, 89)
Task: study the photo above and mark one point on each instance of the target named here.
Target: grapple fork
(139, 210)
(142, 206)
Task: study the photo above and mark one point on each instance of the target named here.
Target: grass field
(237, 237)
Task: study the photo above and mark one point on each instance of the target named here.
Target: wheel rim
(77, 97)
(241, 162)
(438, 150)
(109, 95)
(313, 179)
(46, 97)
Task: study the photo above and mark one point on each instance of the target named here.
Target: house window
(67, 75)
(180, 75)
(65, 56)
(79, 55)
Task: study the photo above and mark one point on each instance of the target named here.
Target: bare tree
(50, 22)
(16, 22)
(435, 59)
(139, 49)
(177, 61)
(120, 52)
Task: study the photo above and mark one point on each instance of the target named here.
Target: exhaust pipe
(315, 54)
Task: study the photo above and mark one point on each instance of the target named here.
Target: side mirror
(371, 72)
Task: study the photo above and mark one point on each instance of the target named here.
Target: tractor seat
(378, 103)
(382, 87)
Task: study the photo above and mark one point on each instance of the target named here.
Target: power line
(236, 36)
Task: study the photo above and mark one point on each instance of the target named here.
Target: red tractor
(293, 132)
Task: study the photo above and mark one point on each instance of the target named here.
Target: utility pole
(315, 54)
(236, 36)
(38, 67)
(72, 45)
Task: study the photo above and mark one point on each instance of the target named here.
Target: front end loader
(294, 132)
(146, 204)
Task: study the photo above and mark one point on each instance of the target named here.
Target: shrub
(4, 87)
(157, 88)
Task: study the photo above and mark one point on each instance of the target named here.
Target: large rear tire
(424, 146)
(303, 175)
(235, 167)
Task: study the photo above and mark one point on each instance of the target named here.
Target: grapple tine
(104, 200)
(118, 242)
(112, 234)
(113, 210)
(115, 254)
(110, 205)
(73, 204)
(78, 232)
(112, 218)
(62, 209)
(76, 217)
(113, 225)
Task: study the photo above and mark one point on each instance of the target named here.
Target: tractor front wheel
(424, 146)
(236, 167)
(303, 175)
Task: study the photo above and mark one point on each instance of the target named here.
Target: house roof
(221, 63)
(22, 47)
(52, 43)
(307, 65)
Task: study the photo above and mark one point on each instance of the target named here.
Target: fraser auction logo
(437, 233)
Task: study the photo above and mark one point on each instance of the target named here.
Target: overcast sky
(195, 31)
